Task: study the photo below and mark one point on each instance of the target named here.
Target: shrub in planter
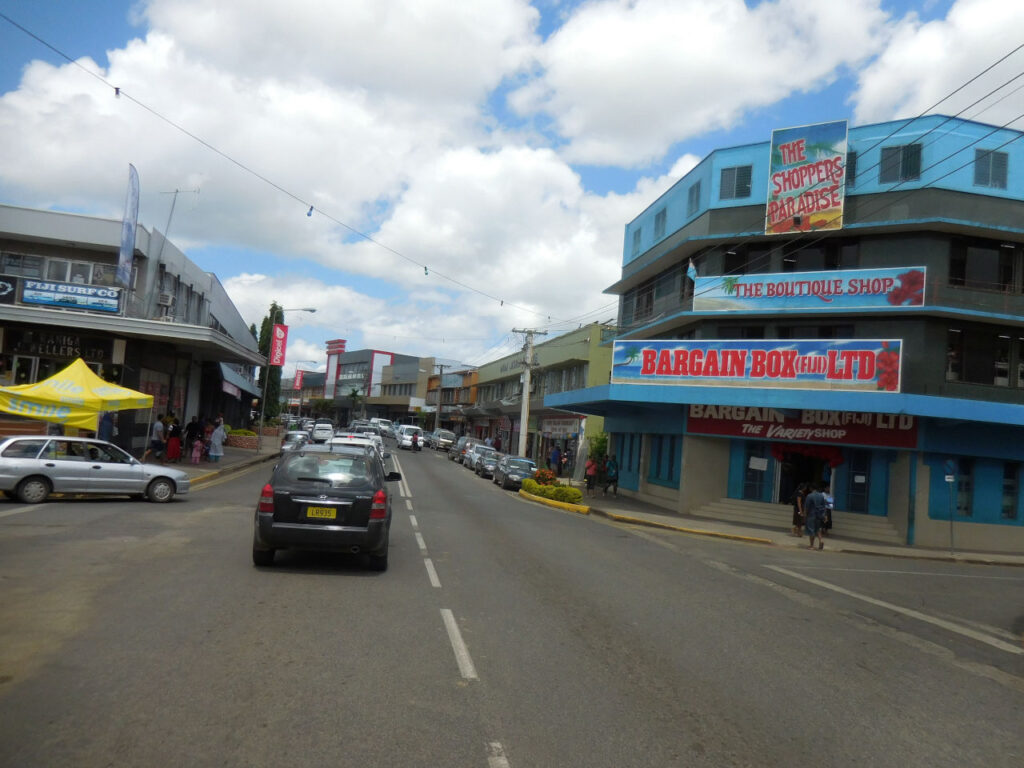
(243, 433)
(545, 477)
(567, 495)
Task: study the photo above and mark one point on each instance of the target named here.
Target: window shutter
(890, 167)
(851, 168)
(728, 185)
(693, 201)
(981, 167)
(911, 162)
(743, 181)
(1000, 169)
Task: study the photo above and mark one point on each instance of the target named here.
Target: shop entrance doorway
(796, 468)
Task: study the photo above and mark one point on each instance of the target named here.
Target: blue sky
(501, 145)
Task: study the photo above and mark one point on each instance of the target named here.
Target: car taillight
(267, 498)
(379, 507)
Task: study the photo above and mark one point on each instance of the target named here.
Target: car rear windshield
(442, 435)
(324, 467)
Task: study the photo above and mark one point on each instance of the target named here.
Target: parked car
(428, 439)
(404, 437)
(512, 470)
(325, 497)
(34, 466)
(485, 461)
(361, 439)
(469, 457)
(386, 427)
(443, 439)
(322, 431)
(459, 448)
(294, 439)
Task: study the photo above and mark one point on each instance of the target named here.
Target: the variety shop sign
(888, 288)
(847, 427)
(858, 365)
(807, 179)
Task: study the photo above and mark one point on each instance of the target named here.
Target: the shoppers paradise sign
(883, 429)
(806, 178)
(845, 289)
(832, 364)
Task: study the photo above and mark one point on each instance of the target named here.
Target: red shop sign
(889, 430)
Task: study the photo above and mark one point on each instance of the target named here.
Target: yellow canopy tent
(74, 397)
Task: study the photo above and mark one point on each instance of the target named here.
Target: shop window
(858, 480)
(964, 486)
(1011, 490)
(900, 164)
(662, 469)
(755, 467)
(735, 183)
(660, 219)
(1001, 369)
(644, 306)
(990, 168)
(693, 199)
(954, 354)
(22, 264)
(57, 270)
(982, 265)
(637, 234)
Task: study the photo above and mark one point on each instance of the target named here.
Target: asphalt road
(504, 634)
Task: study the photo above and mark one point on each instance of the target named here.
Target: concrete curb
(228, 469)
(619, 518)
(580, 509)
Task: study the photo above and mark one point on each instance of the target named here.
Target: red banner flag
(278, 342)
(298, 380)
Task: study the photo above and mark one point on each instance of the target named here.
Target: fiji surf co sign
(855, 365)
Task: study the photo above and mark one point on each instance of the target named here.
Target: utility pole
(524, 409)
(440, 392)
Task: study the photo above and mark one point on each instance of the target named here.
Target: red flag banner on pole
(298, 380)
(278, 342)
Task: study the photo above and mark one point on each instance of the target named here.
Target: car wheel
(379, 560)
(160, 491)
(262, 557)
(33, 490)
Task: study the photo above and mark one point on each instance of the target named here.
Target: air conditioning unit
(165, 299)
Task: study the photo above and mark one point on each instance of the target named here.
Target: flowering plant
(545, 477)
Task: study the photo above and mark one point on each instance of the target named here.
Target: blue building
(835, 305)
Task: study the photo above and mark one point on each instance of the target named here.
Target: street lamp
(266, 378)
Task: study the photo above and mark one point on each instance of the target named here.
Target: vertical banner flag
(278, 342)
(691, 271)
(298, 379)
(806, 179)
(128, 224)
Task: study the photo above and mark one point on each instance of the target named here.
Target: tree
(272, 408)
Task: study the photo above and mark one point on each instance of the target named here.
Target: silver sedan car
(34, 466)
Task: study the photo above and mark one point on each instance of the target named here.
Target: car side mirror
(394, 476)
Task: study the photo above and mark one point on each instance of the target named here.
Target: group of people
(812, 513)
(559, 461)
(199, 440)
(603, 472)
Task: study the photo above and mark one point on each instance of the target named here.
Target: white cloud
(925, 62)
(624, 80)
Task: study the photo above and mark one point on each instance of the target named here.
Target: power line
(118, 92)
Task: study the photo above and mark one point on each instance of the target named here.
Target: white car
(405, 433)
(322, 432)
(362, 439)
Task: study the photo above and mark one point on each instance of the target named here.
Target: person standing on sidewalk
(157, 440)
(590, 470)
(798, 508)
(815, 509)
(217, 438)
(611, 475)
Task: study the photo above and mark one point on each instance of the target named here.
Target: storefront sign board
(806, 179)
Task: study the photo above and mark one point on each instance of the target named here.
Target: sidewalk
(628, 510)
(233, 460)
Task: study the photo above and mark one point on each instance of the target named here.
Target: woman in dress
(217, 438)
(174, 442)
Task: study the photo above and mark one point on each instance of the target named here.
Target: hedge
(555, 492)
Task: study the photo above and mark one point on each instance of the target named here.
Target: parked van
(386, 427)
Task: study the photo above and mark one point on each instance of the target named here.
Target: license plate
(322, 513)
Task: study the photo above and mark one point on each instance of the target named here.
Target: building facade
(844, 307)
(173, 332)
(575, 360)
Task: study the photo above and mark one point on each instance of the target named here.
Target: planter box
(242, 441)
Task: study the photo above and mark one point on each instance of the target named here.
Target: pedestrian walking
(611, 476)
(590, 472)
(197, 449)
(174, 442)
(157, 440)
(555, 461)
(815, 510)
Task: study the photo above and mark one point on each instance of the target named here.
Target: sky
(430, 175)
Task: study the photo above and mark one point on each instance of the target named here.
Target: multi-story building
(353, 379)
(578, 359)
(449, 395)
(403, 391)
(172, 332)
(298, 392)
(832, 306)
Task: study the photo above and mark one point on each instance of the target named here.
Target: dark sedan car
(329, 498)
(512, 470)
(484, 461)
(294, 439)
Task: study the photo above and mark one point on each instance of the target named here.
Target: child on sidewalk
(197, 450)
